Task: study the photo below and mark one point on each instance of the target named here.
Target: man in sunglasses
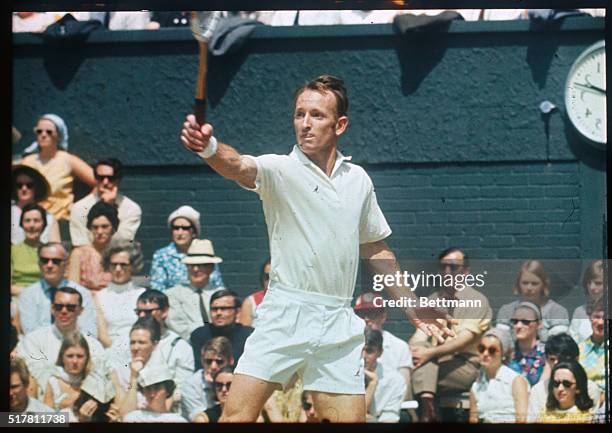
(40, 348)
(175, 351)
(450, 367)
(108, 174)
(198, 393)
(224, 306)
(35, 300)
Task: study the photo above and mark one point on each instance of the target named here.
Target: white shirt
(184, 315)
(396, 352)
(580, 326)
(37, 406)
(368, 17)
(388, 395)
(494, 396)
(40, 349)
(128, 212)
(177, 354)
(316, 223)
(152, 417)
(117, 302)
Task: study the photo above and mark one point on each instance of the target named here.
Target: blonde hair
(533, 267)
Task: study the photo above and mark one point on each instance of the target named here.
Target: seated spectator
(198, 391)
(533, 285)
(157, 386)
(172, 349)
(144, 337)
(30, 187)
(108, 174)
(385, 388)
(58, 166)
(450, 367)
(32, 22)
(248, 311)
(528, 358)
(221, 383)
(167, 268)
(41, 347)
(19, 400)
(85, 262)
(115, 303)
(24, 256)
(592, 348)
(95, 402)
(593, 285)
(223, 309)
(560, 347)
(309, 414)
(35, 300)
(72, 366)
(190, 304)
(396, 353)
(568, 398)
(499, 395)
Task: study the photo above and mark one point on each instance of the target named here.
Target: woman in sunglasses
(529, 355)
(533, 284)
(30, 187)
(72, 366)
(222, 383)
(500, 394)
(85, 262)
(48, 154)
(115, 303)
(24, 256)
(568, 397)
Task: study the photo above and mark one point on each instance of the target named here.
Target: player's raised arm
(223, 158)
(381, 260)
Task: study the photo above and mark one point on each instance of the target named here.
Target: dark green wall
(446, 123)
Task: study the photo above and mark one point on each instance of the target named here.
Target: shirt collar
(298, 155)
(46, 286)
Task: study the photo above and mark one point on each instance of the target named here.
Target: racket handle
(200, 111)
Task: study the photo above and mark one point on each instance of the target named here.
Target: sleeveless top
(58, 173)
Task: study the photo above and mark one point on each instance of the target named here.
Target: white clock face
(585, 94)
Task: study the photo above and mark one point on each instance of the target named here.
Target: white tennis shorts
(318, 336)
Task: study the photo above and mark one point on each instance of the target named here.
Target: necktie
(202, 307)
(52, 291)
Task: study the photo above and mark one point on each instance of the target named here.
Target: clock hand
(591, 87)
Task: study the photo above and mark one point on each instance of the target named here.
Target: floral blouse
(530, 365)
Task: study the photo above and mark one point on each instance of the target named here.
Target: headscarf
(62, 130)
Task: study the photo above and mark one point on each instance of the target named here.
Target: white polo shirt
(315, 222)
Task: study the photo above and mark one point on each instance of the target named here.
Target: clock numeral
(587, 113)
(598, 67)
(598, 124)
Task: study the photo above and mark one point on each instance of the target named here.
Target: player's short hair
(327, 83)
